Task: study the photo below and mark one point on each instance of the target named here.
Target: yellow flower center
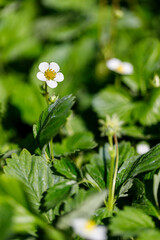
(120, 69)
(50, 74)
(90, 225)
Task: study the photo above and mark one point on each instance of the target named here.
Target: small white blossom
(156, 81)
(88, 229)
(142, 148)
(50, 74)
(120, 67)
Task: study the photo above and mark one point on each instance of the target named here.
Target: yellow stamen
(90, 225)
(50, 74)
(120, 69)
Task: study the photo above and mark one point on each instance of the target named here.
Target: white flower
(142, 148)
(156, 81)
(50, 74)
(88, 229)
(120, 67)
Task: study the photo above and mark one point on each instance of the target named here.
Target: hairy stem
(110, 200)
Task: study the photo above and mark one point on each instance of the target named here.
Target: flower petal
(59, 77)
(43, 66)
(54, 66)
(52, 84)
(99, 233)
(113, 63)
(128, 68)
(142, 148)
(41, 76)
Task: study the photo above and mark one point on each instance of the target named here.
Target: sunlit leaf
(51, 119)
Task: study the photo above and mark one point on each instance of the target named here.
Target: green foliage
(156, 187)
(96, 170)
(52, 119)
(78, 141)
(57, 194)
(130, 222)
(6, 214)
(95, 199)
(41, 196)
(34, 172)
(67, 168)
(136, 165)
(149, 234)
(140, 199)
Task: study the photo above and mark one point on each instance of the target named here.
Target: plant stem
(51, 150)
(110, 199)
(113, 176)
(115, 171)
(51, 142)
(46, 93)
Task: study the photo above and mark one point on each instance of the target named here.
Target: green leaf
(67, 168)
(136, 165)
(140, 200)
(156, 183)
(85, 209)
(146, 59)
(25, 220)
(11, 188)
(148, 161)
(125, 187)
(100, 214)
(147, 111)
(13, 193)
(6, 218)
(34, 172)
(53, 117)
(57, 194)
(76, 142)
(149, 234)
(130, 222)
(31, 106)
(70, 4)
(112, 100)
(133, 131)
(125, 152)
(96, 170)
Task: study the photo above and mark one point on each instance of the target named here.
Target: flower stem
(46, 93)
(51, 150)
(116, 164)
(113, 176)
(110, 197)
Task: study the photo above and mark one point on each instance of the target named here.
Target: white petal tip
(52, 84)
